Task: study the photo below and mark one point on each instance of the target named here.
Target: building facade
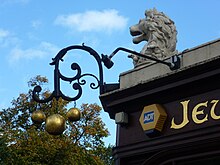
(169, 117)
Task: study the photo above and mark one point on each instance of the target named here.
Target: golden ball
(38, 117)
(55, 124)
(73, 114)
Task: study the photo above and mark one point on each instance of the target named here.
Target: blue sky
(33, 31)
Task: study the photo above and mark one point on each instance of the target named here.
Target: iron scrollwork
(77, 79)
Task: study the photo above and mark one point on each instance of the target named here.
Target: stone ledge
(189, 58)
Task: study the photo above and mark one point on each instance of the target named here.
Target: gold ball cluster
(55, 124)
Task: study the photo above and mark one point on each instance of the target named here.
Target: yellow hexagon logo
(152, 119)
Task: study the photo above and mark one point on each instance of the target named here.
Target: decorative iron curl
(78, 78)
(92, 85)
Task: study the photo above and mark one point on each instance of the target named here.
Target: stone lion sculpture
(160, 33)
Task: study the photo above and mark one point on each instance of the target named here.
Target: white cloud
(41, 51)
(23, 1)
(106, 20)
(36, 24)
(7, 38)
(3, 33)
(5, 2)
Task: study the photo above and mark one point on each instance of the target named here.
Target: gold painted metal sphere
(38, 117)
(55, 124)
(73, 114)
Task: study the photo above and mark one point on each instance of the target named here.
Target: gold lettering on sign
(212, 111)
(185, 116)
(196, 112)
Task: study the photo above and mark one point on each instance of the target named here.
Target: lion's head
(160, 33)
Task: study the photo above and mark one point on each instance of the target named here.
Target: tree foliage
(23, 142)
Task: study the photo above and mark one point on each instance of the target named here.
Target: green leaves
(23, 142)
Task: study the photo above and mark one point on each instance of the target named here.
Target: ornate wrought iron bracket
(77, 79)
(173, 64)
